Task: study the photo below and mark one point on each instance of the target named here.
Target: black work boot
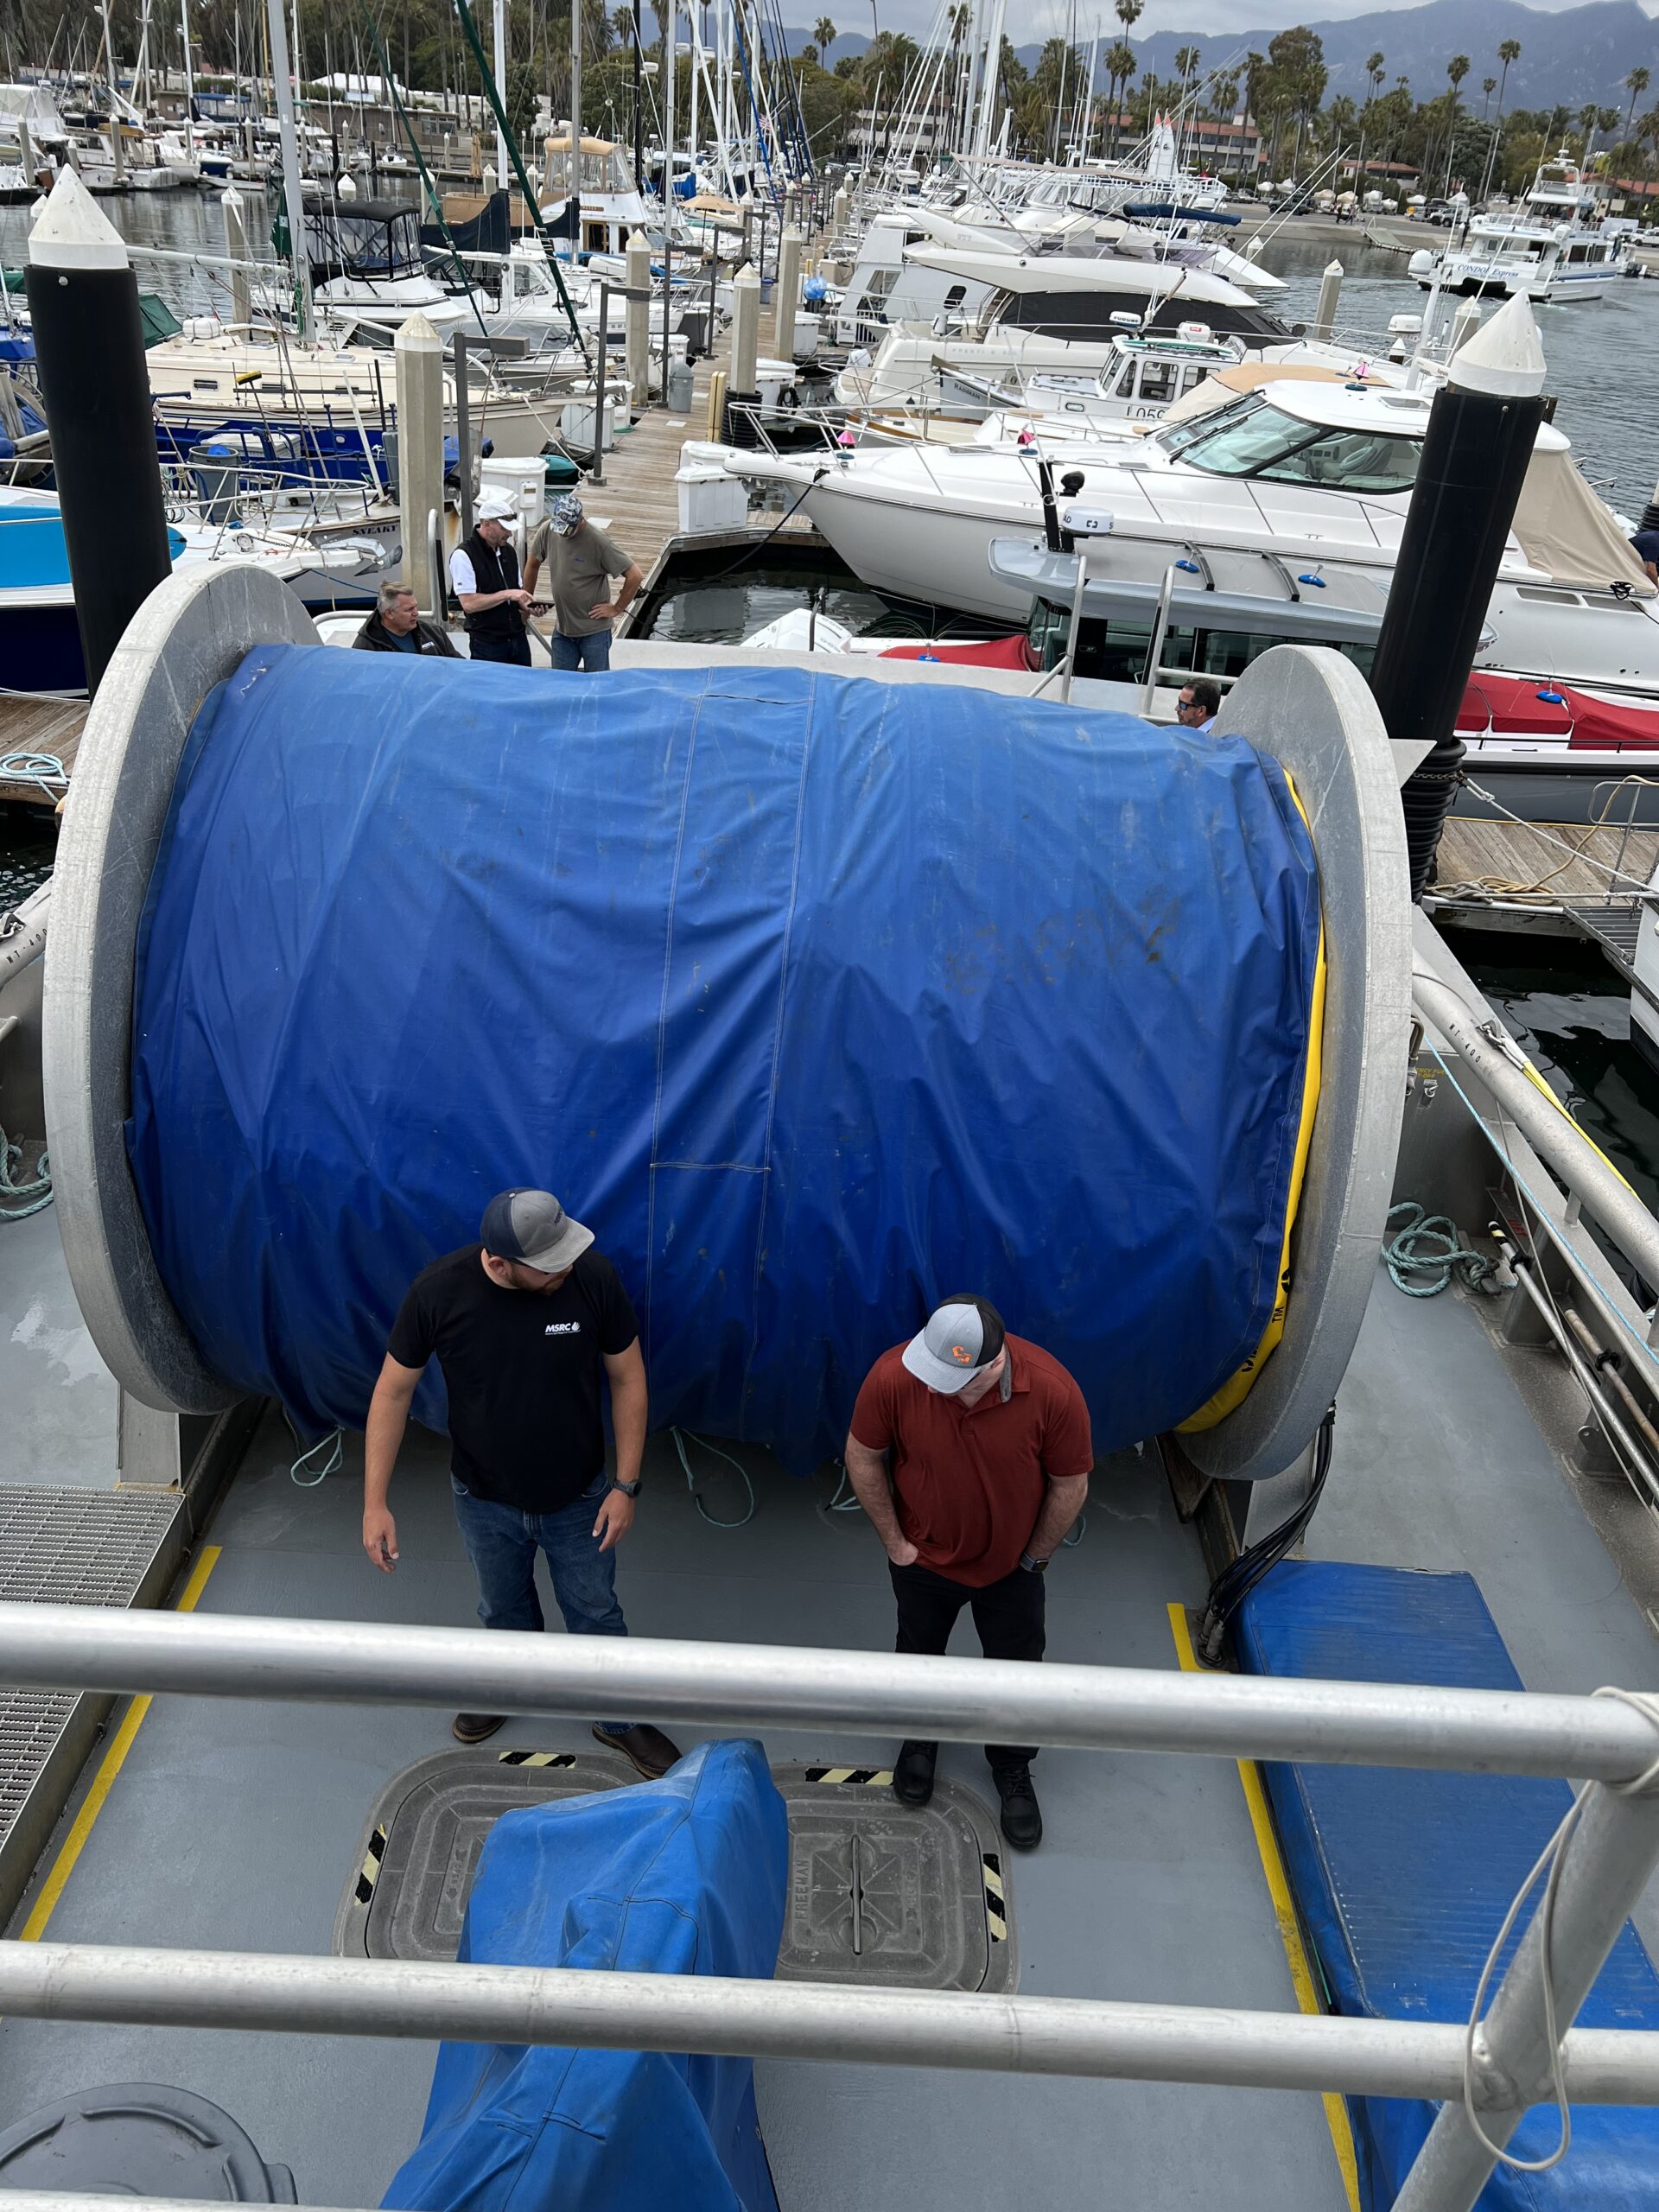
(912, 1773)
(1022, 1816)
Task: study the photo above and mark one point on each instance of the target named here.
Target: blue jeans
(502, 1542)
(590, 653)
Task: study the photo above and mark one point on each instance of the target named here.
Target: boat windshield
(1253, 439)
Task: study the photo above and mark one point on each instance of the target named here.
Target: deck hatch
(65, 1547)
(418, 1854)
(909, 1898)
(878, 1892)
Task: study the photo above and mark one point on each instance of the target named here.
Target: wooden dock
(1545, 863)
(1549, 878)
(48, 729)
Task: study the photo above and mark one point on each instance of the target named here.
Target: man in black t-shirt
(521, 1326)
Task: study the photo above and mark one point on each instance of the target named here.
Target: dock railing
(1503, 2065)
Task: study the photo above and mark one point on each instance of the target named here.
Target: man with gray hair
(398, 626)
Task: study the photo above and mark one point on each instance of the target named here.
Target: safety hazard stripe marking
(537, 1758)
(371, 1857)
(997, 1911)
(869, 1777)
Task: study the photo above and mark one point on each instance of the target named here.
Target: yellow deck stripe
(75, 1842)
(1284, 1911)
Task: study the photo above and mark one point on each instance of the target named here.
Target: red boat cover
(989, 652)
(1527, 706)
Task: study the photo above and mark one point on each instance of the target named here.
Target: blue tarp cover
(818, 998)
(682, 1876)
(1404, 1878)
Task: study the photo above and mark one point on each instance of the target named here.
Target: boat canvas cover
(817, 999)
(1567, 531)
(1403, 1877)
(685, 1875)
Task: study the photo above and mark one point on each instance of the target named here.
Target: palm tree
(1635, 84)
(1186, 60)
(1457, 69)
(1508, 52)
(1120, 68)
(1488, 86)
(1375, 66)
(1588, 115)
(826, 34)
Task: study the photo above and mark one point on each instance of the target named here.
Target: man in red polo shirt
(971, 1454)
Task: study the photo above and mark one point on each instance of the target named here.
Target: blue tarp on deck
(682, 1876)
(1403, 1877)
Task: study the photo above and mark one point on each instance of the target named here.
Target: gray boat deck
(233, 1826)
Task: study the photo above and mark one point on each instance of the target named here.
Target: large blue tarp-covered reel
(818, 999)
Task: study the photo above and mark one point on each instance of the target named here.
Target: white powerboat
(1040, 312)
(1556, 245)
(1296, 474)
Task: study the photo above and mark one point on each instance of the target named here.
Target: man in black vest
(484, 569)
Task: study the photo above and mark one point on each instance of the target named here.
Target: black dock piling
(1482, 429)
(89, 342)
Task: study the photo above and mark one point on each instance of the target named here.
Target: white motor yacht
(1045, 311)
(1555, 245)
(1296, 473)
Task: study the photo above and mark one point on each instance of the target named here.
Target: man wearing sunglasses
(1198, 705)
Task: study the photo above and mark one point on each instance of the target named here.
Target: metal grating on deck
(60, 1546)
(80, 1547)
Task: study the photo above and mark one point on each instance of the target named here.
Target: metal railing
(1605, 1861)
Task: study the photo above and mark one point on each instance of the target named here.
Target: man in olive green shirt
(581, 560)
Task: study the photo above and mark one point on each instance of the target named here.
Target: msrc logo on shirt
(562, 1329)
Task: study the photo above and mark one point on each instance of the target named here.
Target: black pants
(514, 651)
(1008, 1616)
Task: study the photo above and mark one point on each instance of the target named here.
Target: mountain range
(1567, 59)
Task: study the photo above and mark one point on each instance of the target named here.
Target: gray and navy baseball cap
(532, 1226)
(962, 1337)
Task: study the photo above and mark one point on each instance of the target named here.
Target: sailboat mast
(575, 120)
(293, 195)
(189, 83)
(500, 27)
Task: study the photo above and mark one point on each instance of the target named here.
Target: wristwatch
(628, 1490)
(1033, 1565)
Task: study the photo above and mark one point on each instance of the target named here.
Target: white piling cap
(417, 333)
(69, 230)
(1504, 358)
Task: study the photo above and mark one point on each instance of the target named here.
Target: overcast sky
(1048, 19)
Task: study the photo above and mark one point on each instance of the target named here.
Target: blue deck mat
(1404, 1878)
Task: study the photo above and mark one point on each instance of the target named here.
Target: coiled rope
(43, 769)
(1428, 1251)
(32, 1196)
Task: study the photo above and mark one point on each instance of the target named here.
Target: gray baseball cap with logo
(531, 1226)
(960, 1338)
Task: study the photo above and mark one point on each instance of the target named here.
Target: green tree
(521, 96)
(1508, 52)
(1120, 68)
(1488, 86)
(826, 34)
(1635, 84)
